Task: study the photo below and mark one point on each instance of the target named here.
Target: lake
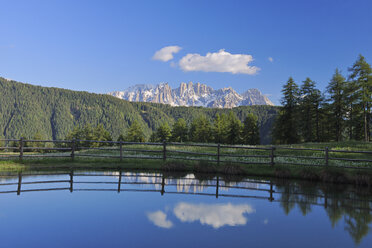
(139, 209)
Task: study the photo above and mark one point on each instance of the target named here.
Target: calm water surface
(128, 209)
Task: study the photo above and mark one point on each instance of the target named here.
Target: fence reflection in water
(271, 190)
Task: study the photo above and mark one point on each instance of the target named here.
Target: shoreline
(330, 174)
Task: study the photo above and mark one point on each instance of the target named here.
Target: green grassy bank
(362, 177)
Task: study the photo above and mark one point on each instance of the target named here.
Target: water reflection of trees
(353, 204)
(341, 202)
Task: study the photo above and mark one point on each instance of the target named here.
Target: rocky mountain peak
(190, 94)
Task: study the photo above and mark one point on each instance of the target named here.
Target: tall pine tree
(234, 133)
(163, 133)
(352, 110)
(308, 108)
(135, 133)
(220, 125)
(361, 75)
(180, 130)
(201, 130)
(286, 127)
(336, 90)
(251, 132)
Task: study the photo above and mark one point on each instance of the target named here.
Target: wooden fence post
(164, 150)
(218, 154)
(162, 185)
(19, 183)
(121, 151)
(217, 185)
(119, 183)
(326, 156)
(271, 192)
(71, 181)
(73, 146)
(272, 156)
(21, 148)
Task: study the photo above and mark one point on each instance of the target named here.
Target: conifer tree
(201, 130)
(306, 115)
(88, 133)
(352, 111)
(309, 102)
(163, 133)
(180, 130)
(286, 127)
(361, 75)
(318, 101)
(336, 90)
(234, 133)
(251, 132)
(79, 134)
(135, 133)
(325, 130)
(220, 128)
(100, 133)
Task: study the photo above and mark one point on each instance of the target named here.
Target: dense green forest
(224, 129)
(342, 112)
(52, 113)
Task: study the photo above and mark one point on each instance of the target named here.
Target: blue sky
(102, 46)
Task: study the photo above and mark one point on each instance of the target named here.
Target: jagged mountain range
(191, 94)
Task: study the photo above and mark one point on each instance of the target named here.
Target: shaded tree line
(342, 112)
(225, 129)
(88, 132)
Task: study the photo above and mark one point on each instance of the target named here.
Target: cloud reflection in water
(215, 215)
(159, 218)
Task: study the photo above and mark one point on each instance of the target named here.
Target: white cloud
(159, 218)
(271, 59)
(220, 61)
(166, 53)
(266, 221)
(215, 215)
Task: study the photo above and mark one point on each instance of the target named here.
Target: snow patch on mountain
(190, 94)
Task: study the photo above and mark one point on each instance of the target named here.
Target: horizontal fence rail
(214, 153)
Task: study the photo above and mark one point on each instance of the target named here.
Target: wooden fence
(215, 153)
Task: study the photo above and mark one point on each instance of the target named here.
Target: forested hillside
(26, 109)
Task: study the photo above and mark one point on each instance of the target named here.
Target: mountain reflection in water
(347, 203)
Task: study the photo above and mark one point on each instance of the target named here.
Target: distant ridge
(191, 94)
